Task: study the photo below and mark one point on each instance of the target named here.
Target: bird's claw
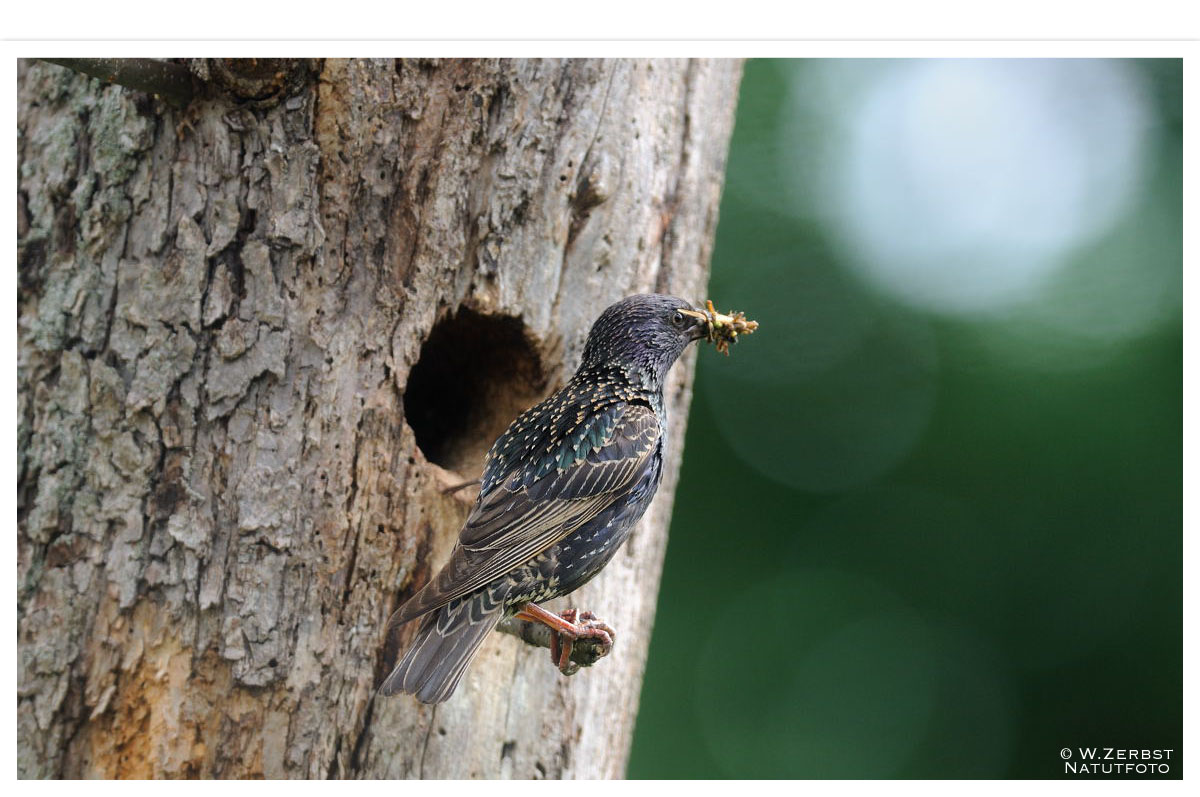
(586, 626)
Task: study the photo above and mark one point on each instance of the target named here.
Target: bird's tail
(445, 645)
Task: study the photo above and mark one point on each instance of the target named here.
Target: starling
(562, 489)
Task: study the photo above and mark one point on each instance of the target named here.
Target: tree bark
(229, 475)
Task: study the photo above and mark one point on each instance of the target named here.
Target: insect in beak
(720, 329)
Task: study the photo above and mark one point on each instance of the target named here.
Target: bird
(562, 489)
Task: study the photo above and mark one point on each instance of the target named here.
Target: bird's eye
(677, 319)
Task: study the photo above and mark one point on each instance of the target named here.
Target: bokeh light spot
(961, 186)
(834, 427)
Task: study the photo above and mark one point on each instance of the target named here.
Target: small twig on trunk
(173, 82)
(455, 488)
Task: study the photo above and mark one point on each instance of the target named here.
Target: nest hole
(476, 373)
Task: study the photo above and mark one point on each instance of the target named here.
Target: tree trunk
(259, 336)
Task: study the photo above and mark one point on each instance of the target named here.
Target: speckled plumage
(562, 489)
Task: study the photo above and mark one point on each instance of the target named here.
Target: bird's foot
(585, 625)
(567, 629)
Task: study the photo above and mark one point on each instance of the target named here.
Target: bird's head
(644, 334)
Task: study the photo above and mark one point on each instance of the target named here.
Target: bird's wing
(524, 514)
(597, 462)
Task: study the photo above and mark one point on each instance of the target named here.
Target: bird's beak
(700, 328)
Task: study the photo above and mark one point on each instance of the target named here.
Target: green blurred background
(930, 517)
